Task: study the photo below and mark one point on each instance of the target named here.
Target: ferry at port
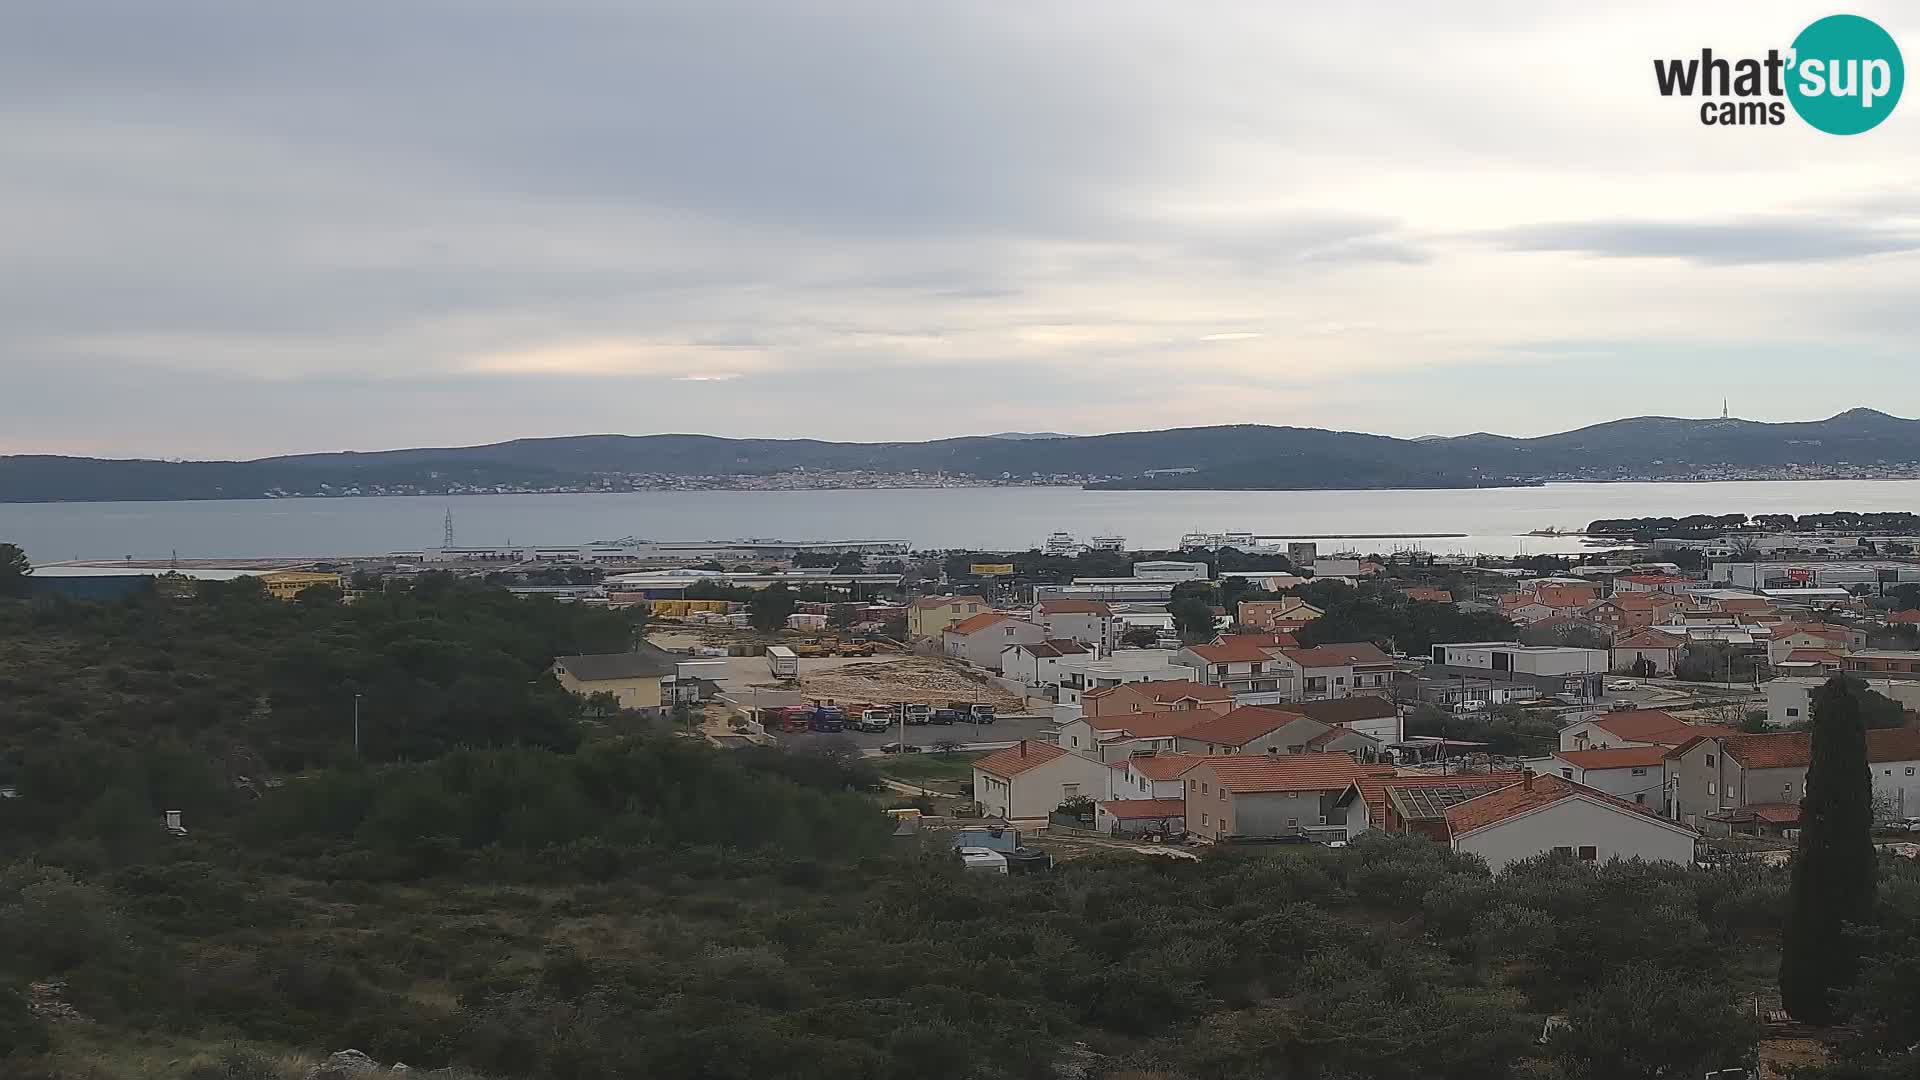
(1244, 542)
(1064, 545)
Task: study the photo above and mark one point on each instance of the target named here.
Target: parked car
(899, 748)
(1470, 707)
(945, 717)
(1622, 684)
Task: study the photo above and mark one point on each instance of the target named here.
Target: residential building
(1790, 636)
(1790, 697)
(1030, 779)
(1412, 802)
(1261, 730)
(1634, 773)
(1876, 574)
(1633, 727)
(1170, 570)
(1738, 782)
(287, 584)
(1426, 595)
(1903, 618)
(1150, 775)
(1336, 568)
(1089, 622)
(1577, 673)
(929, 616)
(1542, 814)
(1666, 583)
(1267, 614)
(1371, 715)
(1624, 613)
(1242, 664)
(1044, 663)
(1648, 653)
(980, 640)
(1172, 695)
(1256, 796)
(1124, 666)
(1544, 600)
(633, 678)
(1339, 670)
(1448, 687)
(1115, 738)
(1886, 663)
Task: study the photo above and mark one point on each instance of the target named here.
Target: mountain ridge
(1221, 457)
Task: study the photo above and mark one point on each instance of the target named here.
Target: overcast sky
(239, 228)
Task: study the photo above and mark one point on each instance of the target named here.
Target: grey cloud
(1802, 239)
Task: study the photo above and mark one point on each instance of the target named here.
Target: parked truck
(972, 711)
(782, 662)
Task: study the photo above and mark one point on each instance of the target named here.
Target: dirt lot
(908, 678)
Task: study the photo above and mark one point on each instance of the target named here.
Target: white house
(1124, 666)
(1542, 814)
(1150, 776)
(1633, 727)
(1634, 773)
(1030, 779)
(1338, 670)
(980, 639)
(1044, 663)
(1089, 622)
(1647, 652)
(1242, 664)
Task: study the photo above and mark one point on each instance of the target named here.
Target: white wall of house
(1597, 737)
(1086, 627)
(982, 648)
(1129, 783)
(1575, 822)
(1637, 784)
(1031, 670)
(1037, 791)
(1661, 659)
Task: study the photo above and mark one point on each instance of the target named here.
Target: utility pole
(356, 725)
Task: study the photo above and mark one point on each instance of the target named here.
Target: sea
(1493, 521)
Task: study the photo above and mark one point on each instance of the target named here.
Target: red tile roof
(1794, 749)
(1346, 710)
(1340, 654)
(976, 623)
(1162, 766)
(1775, 813)
(1623, 757)
(1165, 690)
(1516, 799)
(1018, 758)
(1256, 773)
(1814, 656)
(1436, 596)
(1137, 809)
(1650, 639)
(1654, 726)
(1074, 607)
(1241, 726)
(1912, 616)
(1150, 725)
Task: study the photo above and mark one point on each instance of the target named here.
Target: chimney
(1023, 748)
(1526, 779)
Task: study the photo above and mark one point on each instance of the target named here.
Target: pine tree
(1833, 869)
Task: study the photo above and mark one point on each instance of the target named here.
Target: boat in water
(1107, 543)
(1245, 542)
(1062, 545)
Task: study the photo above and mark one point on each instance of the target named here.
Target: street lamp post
(356, 725)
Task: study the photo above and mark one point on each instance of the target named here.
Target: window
(1204, 790)
(1566, 774)
(1589, 853)
(1275, 750)
(1203, 817)
(1339, 680)
(1293, 823)
(1640, 798)
(1223, 794)
(1909, 770)
(1710, 788)
(1639, 772)
(1709, 761)
(1193, 785)
(1563, 850)
(1068, 791)
(1787, 788)
(1793, 712)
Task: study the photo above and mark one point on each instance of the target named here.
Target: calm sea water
(1494, 520)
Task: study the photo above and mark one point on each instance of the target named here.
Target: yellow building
(633, 678)
(287, 584)
(930, 616)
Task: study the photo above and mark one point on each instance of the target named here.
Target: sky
(231, 229)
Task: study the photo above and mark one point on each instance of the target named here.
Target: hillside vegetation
(498, 888)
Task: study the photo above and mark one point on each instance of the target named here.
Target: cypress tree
(1833, 869)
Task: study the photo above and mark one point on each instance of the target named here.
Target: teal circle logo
(1847, 75)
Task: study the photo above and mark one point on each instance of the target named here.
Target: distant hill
(1236, 457)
